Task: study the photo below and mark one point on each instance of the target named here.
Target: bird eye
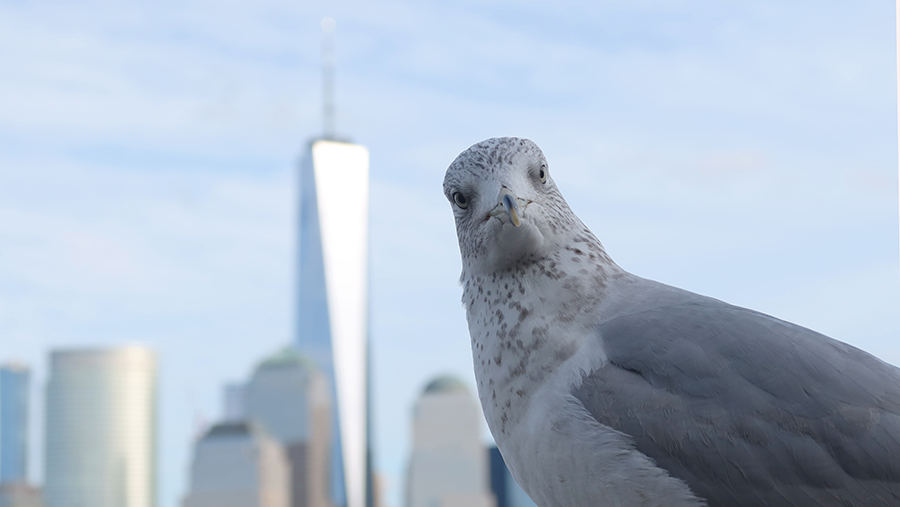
(460, 200)
(543, 175)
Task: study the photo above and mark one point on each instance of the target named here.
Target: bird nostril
(509, 202)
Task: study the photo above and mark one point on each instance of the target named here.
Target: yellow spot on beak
(514, 216)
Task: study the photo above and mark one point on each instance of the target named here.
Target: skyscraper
(101, 428)
(448, 466)
(332, 306)
(238, 464)
(291, 398)
(14, 390)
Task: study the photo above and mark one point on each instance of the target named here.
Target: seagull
(602, 388)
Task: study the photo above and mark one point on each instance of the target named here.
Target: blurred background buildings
(272, 447)
(291, 398)
(287, 401)
(312, 397)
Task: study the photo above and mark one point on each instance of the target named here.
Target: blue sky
(148, 150)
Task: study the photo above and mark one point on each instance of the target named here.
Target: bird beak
(507, 203)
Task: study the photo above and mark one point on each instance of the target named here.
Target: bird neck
(527, 320)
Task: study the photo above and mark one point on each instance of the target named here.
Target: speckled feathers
(525, 288)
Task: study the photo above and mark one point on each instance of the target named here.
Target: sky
(148, 172)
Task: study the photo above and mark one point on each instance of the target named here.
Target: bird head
(507, 208)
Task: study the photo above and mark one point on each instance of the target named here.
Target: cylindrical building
(101, 428)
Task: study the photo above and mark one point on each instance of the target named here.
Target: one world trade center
(333, 303)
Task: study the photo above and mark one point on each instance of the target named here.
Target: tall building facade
(291, 398)
(14, 390)
(332, 302)
(238, 464)
(101, 428)
(449, 465)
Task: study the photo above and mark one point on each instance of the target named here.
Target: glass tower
(101, 428)
(14, 385)
(332, 305)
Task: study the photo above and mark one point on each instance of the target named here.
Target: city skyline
(148, 178)
(292, 399)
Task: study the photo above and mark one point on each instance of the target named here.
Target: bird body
(602, 388)
(526, 380)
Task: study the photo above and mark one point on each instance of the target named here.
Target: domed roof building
(291, 398)
(445, 384)
(239, 464)
(448, 466)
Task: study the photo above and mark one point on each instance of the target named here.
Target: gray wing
(750, 410)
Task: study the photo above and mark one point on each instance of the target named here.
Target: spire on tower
(328, 128)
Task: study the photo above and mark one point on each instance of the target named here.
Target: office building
(101, 428)
(291, 398)
(238, 464)
(448, 466)
(14, 395)
(506, 490)
(332, 305)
